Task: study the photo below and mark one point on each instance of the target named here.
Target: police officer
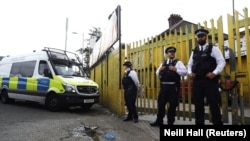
(169, 72)
(131, 85)
(205, 64)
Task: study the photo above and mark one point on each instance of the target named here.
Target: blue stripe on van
(22, 83)
(5, 81)
(43, 84)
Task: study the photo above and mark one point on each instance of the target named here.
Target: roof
(183, 24)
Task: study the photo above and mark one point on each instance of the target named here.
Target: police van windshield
(69, 70)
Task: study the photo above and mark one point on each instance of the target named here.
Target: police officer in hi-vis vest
(205, 64)
(169, 72)
(131, 86)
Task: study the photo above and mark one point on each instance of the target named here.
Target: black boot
(128, 119)
(156, 123)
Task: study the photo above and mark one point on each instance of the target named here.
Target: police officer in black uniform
(131, 86)
(169, 72)
(204, 66)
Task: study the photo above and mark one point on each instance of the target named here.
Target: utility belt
(129, 86)
(203, 77)
(168, 83)
(200, 77)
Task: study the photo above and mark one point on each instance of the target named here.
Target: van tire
(52, 103)
(4, 97)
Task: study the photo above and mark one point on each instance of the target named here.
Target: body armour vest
(203, 62)
(167, 75)
(127, 80)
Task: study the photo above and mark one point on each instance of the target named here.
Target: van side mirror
(47, 73)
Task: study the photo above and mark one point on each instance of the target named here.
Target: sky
(27, 25)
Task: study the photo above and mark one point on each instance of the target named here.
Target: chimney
(174, 19)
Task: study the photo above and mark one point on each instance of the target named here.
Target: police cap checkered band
(170, 49)
(201, 32)
(127, 63)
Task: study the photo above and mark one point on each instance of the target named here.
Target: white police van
(52, 77)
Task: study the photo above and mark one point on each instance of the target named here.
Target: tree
(96, 32)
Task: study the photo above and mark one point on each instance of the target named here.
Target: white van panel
(5, 70)
(33, 98)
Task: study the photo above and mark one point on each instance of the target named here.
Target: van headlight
(69, 88)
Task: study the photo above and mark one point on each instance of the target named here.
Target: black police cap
(170, 49)
(127, 63)
(201, 32)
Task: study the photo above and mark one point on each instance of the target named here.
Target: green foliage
(86, 51)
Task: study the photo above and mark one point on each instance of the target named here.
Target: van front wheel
(4, 97)
(52, 103)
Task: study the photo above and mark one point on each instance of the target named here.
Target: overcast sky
(27, 25)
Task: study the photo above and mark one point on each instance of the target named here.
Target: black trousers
(210, 89)
(130, 99)
(168, 93)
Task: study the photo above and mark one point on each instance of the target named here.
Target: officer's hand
(192, 75)
(162, 68)
(210, 75)
(172, 68)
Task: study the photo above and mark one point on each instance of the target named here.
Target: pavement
(25, 121)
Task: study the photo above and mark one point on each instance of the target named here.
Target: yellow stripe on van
(1, 82)
(31, 84)
(13, 82)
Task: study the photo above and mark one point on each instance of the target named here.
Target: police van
(52, 77)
